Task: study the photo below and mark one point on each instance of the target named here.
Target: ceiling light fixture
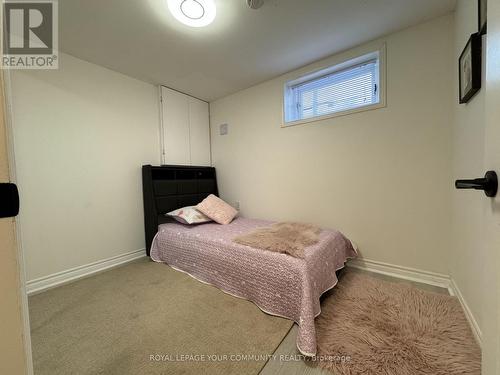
(194, 13)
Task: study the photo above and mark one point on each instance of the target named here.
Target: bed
(277, 283)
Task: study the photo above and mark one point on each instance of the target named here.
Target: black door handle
(489, 184)
(9, 200)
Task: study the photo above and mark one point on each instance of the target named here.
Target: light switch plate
(224, 129)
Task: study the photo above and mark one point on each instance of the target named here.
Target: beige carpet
(370, 326)
(113, 322)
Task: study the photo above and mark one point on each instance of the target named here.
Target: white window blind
(333, 90)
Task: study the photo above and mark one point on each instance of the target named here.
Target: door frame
(7, 98)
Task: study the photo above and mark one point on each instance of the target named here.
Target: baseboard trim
(468, 314)
(401, 272)
(63, 277)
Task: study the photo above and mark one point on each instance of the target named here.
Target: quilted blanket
(277, 283)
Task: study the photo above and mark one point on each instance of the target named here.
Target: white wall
(81, 135)
(382, 176)
(468, 254)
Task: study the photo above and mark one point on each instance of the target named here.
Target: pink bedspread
(277, 283)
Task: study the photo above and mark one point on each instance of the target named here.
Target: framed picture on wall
(482, 15)
(469, 66)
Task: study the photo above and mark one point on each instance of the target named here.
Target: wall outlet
(223, 129)
(237, 205)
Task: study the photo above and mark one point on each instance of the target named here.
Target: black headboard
(167, 188)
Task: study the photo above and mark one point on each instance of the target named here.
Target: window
(354, 84)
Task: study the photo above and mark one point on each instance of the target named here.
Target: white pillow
(189, 215)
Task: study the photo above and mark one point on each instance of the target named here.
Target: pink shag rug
(370, 326)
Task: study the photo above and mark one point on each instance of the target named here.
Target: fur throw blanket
(286, 237)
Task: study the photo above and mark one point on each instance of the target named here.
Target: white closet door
(199, 130)
(175, 111)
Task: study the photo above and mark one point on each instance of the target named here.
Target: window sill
(333, 115)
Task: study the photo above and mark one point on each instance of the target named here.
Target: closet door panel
(175, 111)
(199, 130)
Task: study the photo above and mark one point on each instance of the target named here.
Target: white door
(175, 119)
(491, 346)
(199, 131)
(13, 357)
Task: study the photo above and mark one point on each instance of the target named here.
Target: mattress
(278, 284)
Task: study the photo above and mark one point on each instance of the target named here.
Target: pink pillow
(217, 210)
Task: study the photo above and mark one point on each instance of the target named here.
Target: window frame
(336, 66)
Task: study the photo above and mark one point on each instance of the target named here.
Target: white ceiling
(241, 48)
